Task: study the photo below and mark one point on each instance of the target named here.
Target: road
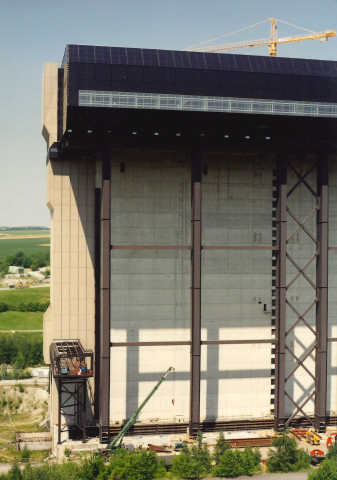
(32, 286)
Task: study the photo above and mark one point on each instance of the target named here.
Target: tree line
(20, 259)
(10, 229)
(21, 352)
(193, 463)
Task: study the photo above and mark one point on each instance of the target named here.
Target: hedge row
(24, 307)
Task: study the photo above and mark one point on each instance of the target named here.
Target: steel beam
(97, 298)
(195, 294)
(322, 294)
(240, 341)
(104, 394)
(281, 290)
(59, 411)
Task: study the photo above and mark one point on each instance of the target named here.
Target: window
(166, 101)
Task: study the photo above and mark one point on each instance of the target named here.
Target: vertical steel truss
(72, 405)
(319, 285)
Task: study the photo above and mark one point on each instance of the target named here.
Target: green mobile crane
(119, 438)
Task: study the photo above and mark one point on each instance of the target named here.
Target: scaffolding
(71, 366)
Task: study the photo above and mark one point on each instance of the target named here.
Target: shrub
(287, 457)
(25, 454)
(3, 307)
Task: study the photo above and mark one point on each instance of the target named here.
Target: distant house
(17, 270)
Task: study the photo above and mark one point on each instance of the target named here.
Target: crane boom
(272, 42)
(113, 445)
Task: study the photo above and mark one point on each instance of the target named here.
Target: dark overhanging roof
(198, 60)
(116, 69)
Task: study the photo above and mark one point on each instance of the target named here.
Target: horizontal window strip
(163, 101)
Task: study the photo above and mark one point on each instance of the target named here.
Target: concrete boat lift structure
(245, 146)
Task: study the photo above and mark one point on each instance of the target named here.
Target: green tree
(326, 471)
(332, 452)
(139, 465)
(286, 457)
(230, 464)
(194, 462)
(220, 448)
(18, 258)
(92, 467)
(14, 473)
(20, 360)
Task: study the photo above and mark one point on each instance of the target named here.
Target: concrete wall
(71, 200)
(150, 289)
(236, 284)
(332, 330)
(150, 299)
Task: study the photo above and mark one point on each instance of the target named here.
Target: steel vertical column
(195, 294)
(322, 294)
(59, 411)
(281, 291)
(97, 298)
(104, 396)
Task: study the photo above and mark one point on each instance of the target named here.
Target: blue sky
(33, 32)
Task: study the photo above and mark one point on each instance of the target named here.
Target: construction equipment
(272, 42)
(331, 440)
(316, 456)
(23, 285)
(117, 441)
(308, 435)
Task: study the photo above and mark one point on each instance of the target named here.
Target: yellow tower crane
(272, 42)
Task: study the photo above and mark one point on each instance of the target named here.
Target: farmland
(28, 240)
(27, 245)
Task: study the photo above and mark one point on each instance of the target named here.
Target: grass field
(21, 320)
(27, 336)
(26, 295)
(27, 245)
